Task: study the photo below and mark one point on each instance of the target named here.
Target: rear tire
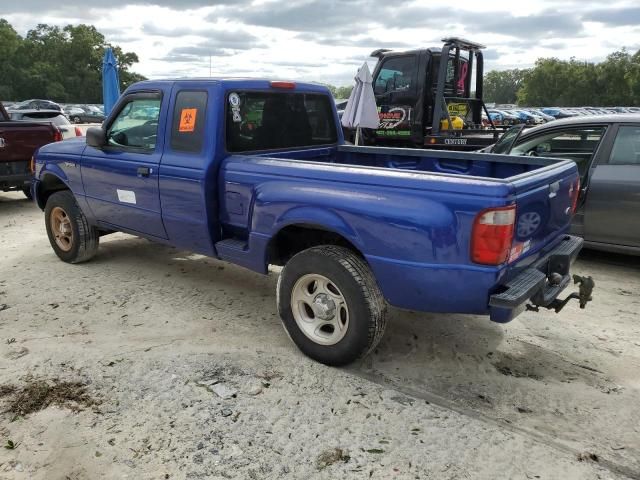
(69, 232)
(27, 192)
(75, 119)
(330, 305)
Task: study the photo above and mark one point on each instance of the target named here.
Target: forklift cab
(419, 99)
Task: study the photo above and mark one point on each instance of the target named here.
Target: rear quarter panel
(413, 228)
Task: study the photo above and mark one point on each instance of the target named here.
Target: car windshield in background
(266, 121)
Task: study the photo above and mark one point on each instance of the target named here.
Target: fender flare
(49, 178)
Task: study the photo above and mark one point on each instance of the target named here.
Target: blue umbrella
(110, 81)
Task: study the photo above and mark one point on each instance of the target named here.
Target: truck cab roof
(232, 82)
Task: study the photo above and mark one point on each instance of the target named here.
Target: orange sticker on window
(188, 120)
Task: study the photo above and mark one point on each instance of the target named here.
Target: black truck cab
(422, 103)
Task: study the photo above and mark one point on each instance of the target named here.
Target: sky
(327, 40)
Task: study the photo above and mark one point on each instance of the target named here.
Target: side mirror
(96, 137)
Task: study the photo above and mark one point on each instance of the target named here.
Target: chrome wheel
(319, 309)
(61, 229)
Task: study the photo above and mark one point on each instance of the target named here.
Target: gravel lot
(149, 362)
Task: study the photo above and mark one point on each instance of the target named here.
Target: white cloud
(327, 40)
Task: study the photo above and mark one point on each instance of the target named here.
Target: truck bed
(470, 164)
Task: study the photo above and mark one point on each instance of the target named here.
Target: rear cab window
(258, 120)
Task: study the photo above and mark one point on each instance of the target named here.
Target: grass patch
(37, 394)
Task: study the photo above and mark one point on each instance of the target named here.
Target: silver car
(606, 149)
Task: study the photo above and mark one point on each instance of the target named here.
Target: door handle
(144, 171)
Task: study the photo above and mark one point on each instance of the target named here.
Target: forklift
(426, 103)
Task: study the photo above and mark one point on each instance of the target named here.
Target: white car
(52, 116)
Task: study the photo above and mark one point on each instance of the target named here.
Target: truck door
(121, 178)
(395, 88)
(185, 196)
(613, 197)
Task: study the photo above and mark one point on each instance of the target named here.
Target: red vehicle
(18, 142)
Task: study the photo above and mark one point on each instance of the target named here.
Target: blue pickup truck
(257, 173)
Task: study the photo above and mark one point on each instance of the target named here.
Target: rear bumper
(540, 284)
(15, 175)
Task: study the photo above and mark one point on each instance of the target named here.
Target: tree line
(569, 83)
(61, 64)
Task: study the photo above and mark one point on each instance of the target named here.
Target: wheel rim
(61, 229)
(528, 224)
(319, 309)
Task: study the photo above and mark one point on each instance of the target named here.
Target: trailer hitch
(583, 295)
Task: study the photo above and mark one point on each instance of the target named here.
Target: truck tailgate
(544, 207)
(21, 139)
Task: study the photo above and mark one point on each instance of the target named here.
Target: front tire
(69, 232)
(330, 305)
(27, 192)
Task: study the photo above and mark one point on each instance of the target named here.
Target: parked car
(37, 104)
(85, 114)
(353, 227)
(526, 117)
(18, 142)
(503, 118)
(540, 113)
(49, 116)
(558, 113)
(340, 106)
(606, 149)
(69, 110)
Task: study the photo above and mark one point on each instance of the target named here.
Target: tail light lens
(575, 195)
(57, 136)
(492, 235)
(78, 132)
(32, 165)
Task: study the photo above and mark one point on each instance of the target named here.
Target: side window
(397, 75)
(187, 130)
(626, 148)
(577, 144)
(136, 125)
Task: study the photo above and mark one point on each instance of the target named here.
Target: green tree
(554, 82)
(343, 92)
(63, 64)
(502, 86)
(9, 45)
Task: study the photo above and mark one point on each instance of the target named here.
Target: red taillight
(492, 235)
(78, 132)
(57, 136)
(285, 85)
(575, 195)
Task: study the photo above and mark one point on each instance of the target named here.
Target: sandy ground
(161, 337)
